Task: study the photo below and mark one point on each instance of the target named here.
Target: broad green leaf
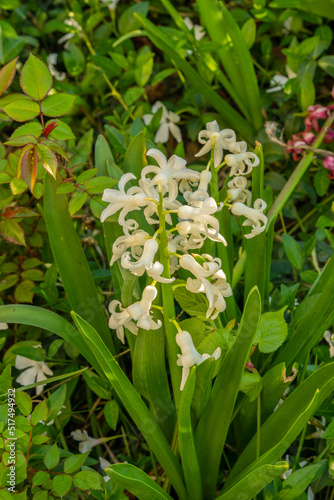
(65, 188)
(82, 150)
(27, 165)
(298, 481)
(327, 64)
(23, 291)
(111, 412)
(293, 251)
(12, 232)
(249, 32)
(321, 182)
(307, 46)
(9, 281)
(33, 128)
(24, 403)
(51, 458)
(74, 462)
(194, 304)
(252, 484)
(133, 94)
(306, 94)
(136, 482)
(143, 65)
(127, 21)
(329, 432)
(99, 184)
(36, 79)
(217, 415)
(272, 331)
(21, 140)
(71, 261)
(62, 131)
(97, 385)
(7, 74)
(18, 186)
(251, 384)
(134, 405)
(203, 386)
(33, 274)
(56, 401)
(102, 155)
(58, 104)
(40, 413)
(47, 158)
(87, 480)
(22, 110)
(40, 478)
(62, 484)
(86, 175)
(77, 201)
(192, 473)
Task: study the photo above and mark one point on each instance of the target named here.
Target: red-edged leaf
(28, 166)
(48, 129)
(36, 79)
(12, 232)
(7, 74)
(21, 140)
(47, 158)
(18, 212)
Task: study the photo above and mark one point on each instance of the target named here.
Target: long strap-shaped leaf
(134, 405)
(52, 322)
(136, 482)
(215, 421)
(284, 425)
(229, 115)
(71, 261)
(192, 474)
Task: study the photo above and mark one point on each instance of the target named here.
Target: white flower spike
(255, 216)
(198, 29)
(190, 356)
(237, 191)
(36, 372)
(167, 124)
(134, 241)
(242, 164)
(223, 139)
(86, 442)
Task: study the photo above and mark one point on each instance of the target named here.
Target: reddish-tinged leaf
(18, 213)
(7, 74)
(47, 158)
(28, 166)
(12, 232)
(48, 129)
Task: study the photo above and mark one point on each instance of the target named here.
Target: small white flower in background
(104, 464)
(86, 442)
(237, 191)
(288, 472)
(67, 37)
(36, 372)
(167, 173)
(223, 140)
(241, 163)
(329, 337)
(190, 356)
(198, 29)
(134, 241)
(111, 4)
(51, 62)
(138, 312)
(3, 326)
(254, 216)
(167, 124)
(277, 83)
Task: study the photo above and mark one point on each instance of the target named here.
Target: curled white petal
(254, 216)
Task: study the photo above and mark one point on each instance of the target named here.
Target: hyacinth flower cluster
(176, 200)
(312, 126)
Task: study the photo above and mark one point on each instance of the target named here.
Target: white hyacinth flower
(118, 199)
(51, 62)
(203, 215)
(237, 191)
(329, 337)
(168, 173)
(215, 292)
(145, 263)
(198, 29)
(255, 216)
(134, 241)
(190, 356)
(223, 140)
(3, 326)
(104, 464)
(198, 232)
(167, 124)
(36, 372)
(277, 83)
(242, 163)
(86, 442)
(111, 4)
(138, 312)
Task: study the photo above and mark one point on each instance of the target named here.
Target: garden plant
(166, 250)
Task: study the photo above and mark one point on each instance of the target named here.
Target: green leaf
(143, 65)
(251, 384)
(77, 201)
(99, 184)
(23, 291)
(22, 110)
(103, 154)
(306, 93)
(249, 32)
(27, 165)
(33, 128)
(133, 94)
(47, 158)
(36, 79)
(194, 304)
(74, 60)
(329, 432)
(40, 478)
(321, 182)
(111, 412)
(327, 64)
(293, 251)
(24, 403)
(272, 331)
(56, 400)
(5, 380)
(40, 413)
(128, 22)
(86, 175)
(62, 131)
(58, 105)
(7, 74)
(21, 140)
(65, 188)
(74, 462)
(51, 458)
(136, 482)
(307, 46)
(87, 480)
(298, 481)
(62, 484)
(12, 232)
(9, 281)
(97, 385)
(252, 484)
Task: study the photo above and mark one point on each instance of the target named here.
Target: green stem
(168, 307)
(258, 424)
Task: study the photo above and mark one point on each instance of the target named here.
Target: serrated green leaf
(111, 413)
(47, 158)
(12, 232)
(87, 480)
(23, 291)
(33, 274)
(73, 463)
(272, 331)
(65, 188)
(62, 131)
(24, 403)
(9, 281)
(77, 201)
(31, 263)
(58, 104)
(62, 484)
(22, 110)
(193, 304)
(7, 74)
(40, 478)
(321, 182)
(36, 79)
(33, 128)
(51, 458)
(86, 175)
(40, 413)
(99, 184)
(21, 140)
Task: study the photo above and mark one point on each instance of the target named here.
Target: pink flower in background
(328, 163)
